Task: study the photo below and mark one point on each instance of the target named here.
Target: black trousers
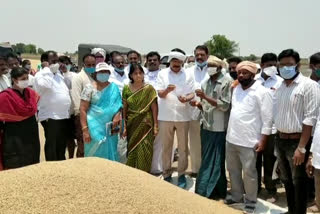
(56, 134)
(268, 163)
(293, 177)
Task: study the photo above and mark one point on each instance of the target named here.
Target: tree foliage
(221, 46)
(27, 48)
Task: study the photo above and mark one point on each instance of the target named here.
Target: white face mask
(23, 84)
(54, 68)
(212, 71)
(270, 71)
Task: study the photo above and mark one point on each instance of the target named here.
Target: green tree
(221, 46)
(30, 48)
(40, 51)
(19, 47)
(251, 58)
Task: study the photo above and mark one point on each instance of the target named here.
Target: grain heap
(92, 185)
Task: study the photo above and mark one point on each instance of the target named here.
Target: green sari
(140, 126)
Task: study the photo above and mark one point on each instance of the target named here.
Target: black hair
(234, 59)
(87, 55)
(289, 53)
(133, 52)
(45, 56)
(25, 62)
(3, 58)
(178, 50)
(17, 72)
(64, 59)
(203, 48)
(153, 53)
(112, 53)
(12, 55)
(133, 67)
(268, 57)
(315, 59)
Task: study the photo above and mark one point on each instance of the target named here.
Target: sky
(145, 25)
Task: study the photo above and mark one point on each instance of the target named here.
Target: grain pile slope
(92, 185)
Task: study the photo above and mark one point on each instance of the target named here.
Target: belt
(289, 136)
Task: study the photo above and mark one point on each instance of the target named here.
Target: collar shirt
(170, 108)
(55, 101)
(151, 77)
(251, 115)
(119, 80)
(4, 82)
(200, 77)
(215, 118)
(296, 104)
(79, 81)
(272, 83)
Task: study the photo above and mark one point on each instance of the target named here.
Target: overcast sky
(258, 26)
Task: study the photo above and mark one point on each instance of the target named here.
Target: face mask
(212, 71)
(288, 72)
(69, 67)
(54, 68)
(119, 70)
(202, 64)
(103, 77)
(245, 82)
(90, 70)
(234, 75)
(270, 71)
(28, 67)
(23, 84)
(317, 72)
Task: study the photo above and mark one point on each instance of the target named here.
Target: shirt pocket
(297, 98)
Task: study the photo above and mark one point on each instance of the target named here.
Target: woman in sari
(19, 129)
(100, 115)
(141, 124)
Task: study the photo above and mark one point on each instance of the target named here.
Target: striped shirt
(296, 104)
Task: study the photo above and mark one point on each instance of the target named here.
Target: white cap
(101, 51)
(102, 66)
(177, 55)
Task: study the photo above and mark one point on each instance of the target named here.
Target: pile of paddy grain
(93, 185)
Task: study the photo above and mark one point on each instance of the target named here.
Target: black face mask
(234, 75)
(245, 82)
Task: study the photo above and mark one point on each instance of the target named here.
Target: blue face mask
(103, 77)
(90, 70)
(288, 72)
(201, 65)
(119, 70)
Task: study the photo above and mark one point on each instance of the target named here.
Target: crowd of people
(237, 116)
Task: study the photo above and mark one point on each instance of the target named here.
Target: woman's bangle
(84, 128)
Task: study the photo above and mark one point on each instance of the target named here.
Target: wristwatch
(302, 150)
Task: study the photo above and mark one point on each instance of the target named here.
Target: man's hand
(200, 94)
(298, 158)
(260, 146)
(170, 88)
(194, 103)
(86, 136)
(309, 168)
(182, 99)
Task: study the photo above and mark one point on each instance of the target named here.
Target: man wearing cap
(249, 125)
(175, 89)
(100, 54)
(200, 75)
(215, 95)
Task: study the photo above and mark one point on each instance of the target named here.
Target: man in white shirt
(118, 74)
(54, 107)
(153, 63)
(79, 81)
(200, 75)
(4, 81)
(269, 79)
(250, 124)
(175, 90)
(296, 107)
